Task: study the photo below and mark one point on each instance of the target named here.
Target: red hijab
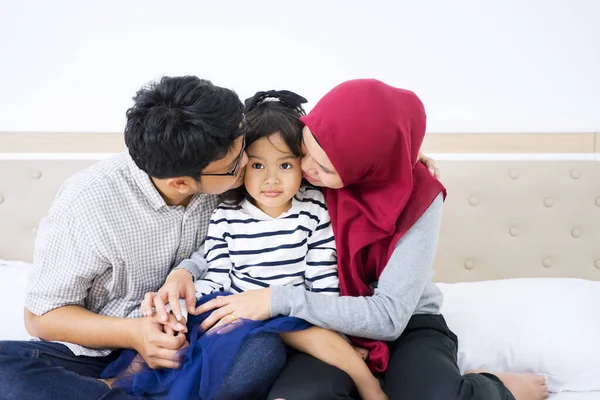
(372, 133)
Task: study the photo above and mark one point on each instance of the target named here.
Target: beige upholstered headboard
(520, 212)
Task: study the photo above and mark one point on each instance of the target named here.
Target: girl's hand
(174, 327)
(253, 304)
(179, 285)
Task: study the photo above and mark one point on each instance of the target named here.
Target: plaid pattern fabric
(109, 238)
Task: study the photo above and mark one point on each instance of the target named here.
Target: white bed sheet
(13, 283)
(575, 396)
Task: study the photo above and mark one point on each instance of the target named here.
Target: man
(115, 232)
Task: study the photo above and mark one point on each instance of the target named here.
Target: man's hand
(157, 348)
(430, 164)
(173, 327)
(179, 285)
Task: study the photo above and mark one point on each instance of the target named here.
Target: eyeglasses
(236, 168)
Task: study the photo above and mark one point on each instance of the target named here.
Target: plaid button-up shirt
(109, 238)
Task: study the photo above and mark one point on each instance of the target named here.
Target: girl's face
(318, 170)
(273, 174)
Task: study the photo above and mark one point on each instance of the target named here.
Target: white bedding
(13, 281)
(549, 326)
(575, 396)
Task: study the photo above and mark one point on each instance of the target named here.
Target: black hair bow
(286, 97)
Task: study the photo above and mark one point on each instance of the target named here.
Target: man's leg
(46, 370)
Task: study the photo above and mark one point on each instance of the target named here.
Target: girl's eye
(286, 166)
(258, 166)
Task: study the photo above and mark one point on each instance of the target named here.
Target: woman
(361, 143)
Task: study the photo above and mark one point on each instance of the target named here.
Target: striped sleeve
(321, 259)
(216, 253)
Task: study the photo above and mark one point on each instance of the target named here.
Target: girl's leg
(257, 365)
(423, 366)
(305, 377)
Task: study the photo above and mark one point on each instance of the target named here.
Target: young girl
(273, 231)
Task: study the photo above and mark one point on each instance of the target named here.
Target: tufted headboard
(508, 214)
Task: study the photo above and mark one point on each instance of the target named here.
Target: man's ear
(182, 184)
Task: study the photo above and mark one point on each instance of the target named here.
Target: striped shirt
(247, 249)
(109, 238)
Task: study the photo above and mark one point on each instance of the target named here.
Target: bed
(518, 257)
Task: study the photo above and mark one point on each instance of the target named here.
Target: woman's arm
(384, 315)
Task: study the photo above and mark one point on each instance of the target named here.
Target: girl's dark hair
(267, 117)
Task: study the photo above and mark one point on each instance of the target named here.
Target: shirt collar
(144, 183)
(151, 193)
(257, 213)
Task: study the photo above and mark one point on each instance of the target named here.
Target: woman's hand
(430, 164)
(253, 304)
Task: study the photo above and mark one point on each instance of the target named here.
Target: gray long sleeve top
(405, 287)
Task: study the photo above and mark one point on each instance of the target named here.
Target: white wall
(479, 66)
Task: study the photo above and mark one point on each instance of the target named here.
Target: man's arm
(66, 262)
(75, 324)
(429, 163)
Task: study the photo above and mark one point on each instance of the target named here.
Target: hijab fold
(372, 133)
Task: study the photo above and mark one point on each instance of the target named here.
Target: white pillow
(13, 284)
(550, 326)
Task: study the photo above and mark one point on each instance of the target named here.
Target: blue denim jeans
(45, 370)
(259, 362)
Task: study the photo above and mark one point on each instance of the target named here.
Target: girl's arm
(384, 315)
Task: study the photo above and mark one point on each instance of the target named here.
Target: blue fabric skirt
(206, 362)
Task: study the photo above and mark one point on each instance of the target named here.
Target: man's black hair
(179, 125)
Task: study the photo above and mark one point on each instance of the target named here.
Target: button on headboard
(27, 189)
(519, 218)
